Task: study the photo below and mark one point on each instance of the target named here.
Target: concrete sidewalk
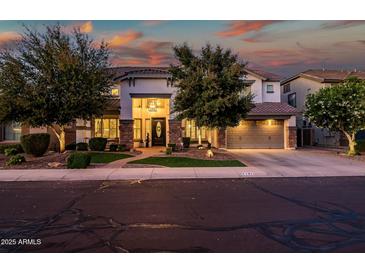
(161, 173)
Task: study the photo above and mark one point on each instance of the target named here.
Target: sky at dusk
(282, 47)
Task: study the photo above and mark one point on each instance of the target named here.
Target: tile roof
(266, 76)
(327, 76)
(123, 71)
(272, 108)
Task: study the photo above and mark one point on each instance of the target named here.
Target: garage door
(257, 134)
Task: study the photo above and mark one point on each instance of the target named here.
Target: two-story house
(142, 105)
(145, 97)
(294, 91)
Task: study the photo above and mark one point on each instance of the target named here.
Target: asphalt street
(324, 214)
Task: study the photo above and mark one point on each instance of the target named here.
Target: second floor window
(287, 88)
(270, 88)
(292, 100)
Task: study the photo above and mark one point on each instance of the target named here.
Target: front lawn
(187, 162)
(107, 157)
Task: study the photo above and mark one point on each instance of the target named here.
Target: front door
(158, 131)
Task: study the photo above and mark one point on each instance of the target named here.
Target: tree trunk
(352, 144)
(199, 136)
(60, 136)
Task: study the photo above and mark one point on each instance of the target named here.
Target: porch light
(270, 122)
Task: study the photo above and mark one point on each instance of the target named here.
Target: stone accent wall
(221, 138)
(70, 135)
(175, 131)
(126, 133)
(292, 138)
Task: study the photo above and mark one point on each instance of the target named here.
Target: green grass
(107, 157)
(187, 162)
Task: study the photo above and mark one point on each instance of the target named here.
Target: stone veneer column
(175, 131)
(126, 133)
(292, 138)
(221, 138)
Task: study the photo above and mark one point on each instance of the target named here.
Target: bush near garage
(186, 142)
(361, 145)
(98, 144)
(82, 146)
(35, 144)
(18, 147)
(78, 160)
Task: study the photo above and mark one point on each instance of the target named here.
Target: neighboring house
(142, 106)
(294, 91)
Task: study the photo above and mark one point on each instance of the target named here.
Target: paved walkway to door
(146, 152)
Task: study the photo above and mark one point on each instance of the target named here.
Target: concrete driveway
(298, 163)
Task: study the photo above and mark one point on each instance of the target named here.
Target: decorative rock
(54, 164)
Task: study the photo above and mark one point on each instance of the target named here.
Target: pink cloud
(84, 27)
(8, 37)
(237, 28)
(124, 38)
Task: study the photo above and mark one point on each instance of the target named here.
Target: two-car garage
(268, 133)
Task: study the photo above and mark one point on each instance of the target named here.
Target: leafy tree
(52, 78)
(210, 87)
(339, 108)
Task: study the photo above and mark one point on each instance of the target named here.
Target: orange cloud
(87, 27)
(237, 28)
(8, 37)
(124, 38)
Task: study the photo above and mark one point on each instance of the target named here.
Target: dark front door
(158, 131)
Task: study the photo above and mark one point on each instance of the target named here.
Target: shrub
(18, 147)
(78, 160)
(122, 147)
(35, 144)
(168, 150)
(15, 160)
(361, 145)
(98, 144)
(11, 151)
(71, 146)
(82, 146)
(173, 146)
(186, 142)
(113, 147)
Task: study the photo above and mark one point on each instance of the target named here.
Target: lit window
(12, 131)
(106, 128)
(137, 128)
(292, 100)
(270, 88)
(115, 92)
(155, 103)
(192, 131)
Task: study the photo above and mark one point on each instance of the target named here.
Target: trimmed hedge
(98, 144)
(35, 144)
(361, 145)
(82, 147)
(113, 147)
(18, 147)
(71, 146)
(78, 160)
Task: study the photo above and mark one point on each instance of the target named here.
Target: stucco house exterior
(294, 91)
(142, 106)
